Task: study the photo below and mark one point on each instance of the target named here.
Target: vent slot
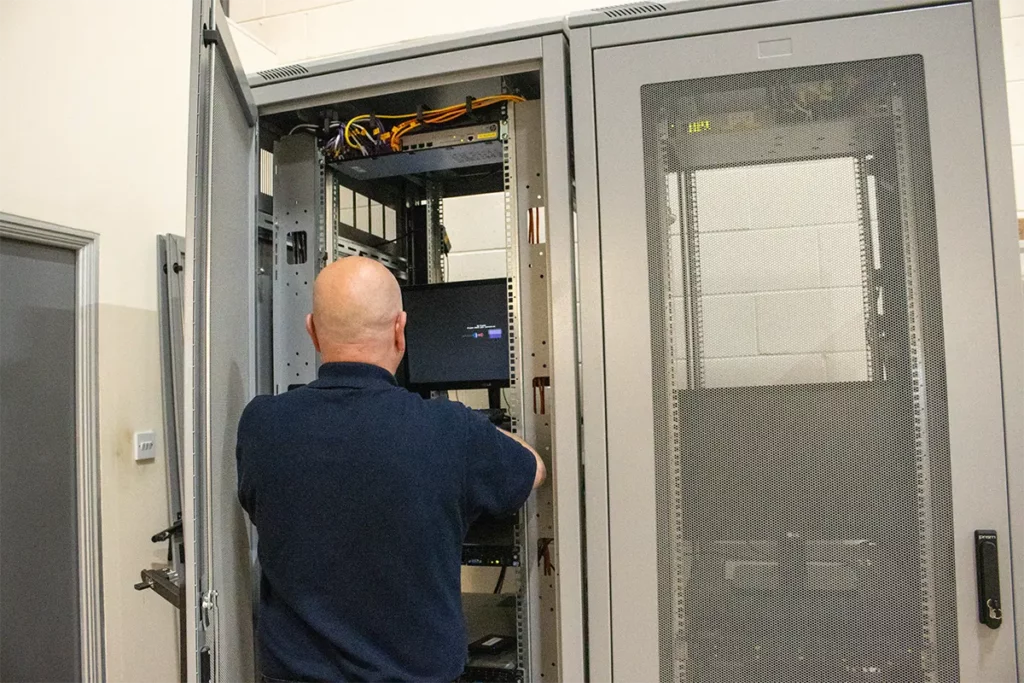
(283, 72)
(633, 10)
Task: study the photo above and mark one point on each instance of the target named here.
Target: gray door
(39, 592)
(220, 353)
(803, 383)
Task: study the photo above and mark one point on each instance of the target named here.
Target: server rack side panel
(296, 258)
(594, 454)
(170, 275)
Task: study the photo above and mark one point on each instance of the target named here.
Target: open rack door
(219, 354)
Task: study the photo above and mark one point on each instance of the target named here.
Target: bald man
(362, 493)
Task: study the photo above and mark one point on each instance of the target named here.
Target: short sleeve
(499, 471)
(247, 441)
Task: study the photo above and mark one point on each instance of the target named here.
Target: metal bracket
(165, 583)
(211, 36)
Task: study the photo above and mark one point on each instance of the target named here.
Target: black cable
(501, 581)
(397, 239)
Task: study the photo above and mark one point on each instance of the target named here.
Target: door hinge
(207, 605)
(211, 36)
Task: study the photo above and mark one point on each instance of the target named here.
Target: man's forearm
(542, 471)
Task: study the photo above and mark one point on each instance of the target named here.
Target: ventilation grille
(282, 72)
(632, 10)
(804, 511)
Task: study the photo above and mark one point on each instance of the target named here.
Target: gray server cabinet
(226, 358)
(801, 340)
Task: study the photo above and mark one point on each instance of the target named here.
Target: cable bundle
(368, 134)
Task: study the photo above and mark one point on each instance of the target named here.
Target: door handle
(986, 556)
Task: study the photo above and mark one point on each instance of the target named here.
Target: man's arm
(542, 472)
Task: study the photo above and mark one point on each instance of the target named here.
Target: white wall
(782, 299)
(253, 52)
(1013, 51)
(93, 135)
(476, 228)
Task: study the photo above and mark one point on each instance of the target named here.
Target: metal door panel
(219, 356)
(944, 39)
(41, 630)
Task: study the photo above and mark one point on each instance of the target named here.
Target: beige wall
(93, 135)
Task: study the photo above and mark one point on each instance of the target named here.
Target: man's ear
(400, 333)
(311, 329)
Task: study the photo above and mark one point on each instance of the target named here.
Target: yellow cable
(410, 122)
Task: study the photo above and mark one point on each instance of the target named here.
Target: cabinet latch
(986, 555)
(206, 606)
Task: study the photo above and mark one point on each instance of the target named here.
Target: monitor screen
(457, 334)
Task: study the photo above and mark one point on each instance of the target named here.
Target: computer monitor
(457, 335)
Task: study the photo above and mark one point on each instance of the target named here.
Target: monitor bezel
(502, 383)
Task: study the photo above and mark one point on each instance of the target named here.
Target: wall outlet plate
(145, 446)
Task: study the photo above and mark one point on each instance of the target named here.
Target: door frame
(87, 466)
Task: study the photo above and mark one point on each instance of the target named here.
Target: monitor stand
(494, 398)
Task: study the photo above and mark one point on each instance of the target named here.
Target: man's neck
(354, 356)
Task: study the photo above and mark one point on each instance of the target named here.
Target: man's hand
(542, 471)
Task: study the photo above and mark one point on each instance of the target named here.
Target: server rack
(269, 215)
(766, 191)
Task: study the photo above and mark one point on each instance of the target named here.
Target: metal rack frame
(298, 206)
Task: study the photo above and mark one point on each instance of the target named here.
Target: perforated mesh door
(804, 512)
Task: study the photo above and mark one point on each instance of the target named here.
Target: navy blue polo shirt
(362, 493)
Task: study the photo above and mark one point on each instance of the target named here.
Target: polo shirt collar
(353, 376)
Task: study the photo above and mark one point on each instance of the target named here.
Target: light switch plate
(145, 446)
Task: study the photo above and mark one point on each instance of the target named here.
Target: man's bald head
(357, 314)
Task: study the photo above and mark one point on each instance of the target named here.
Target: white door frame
(87, 466)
